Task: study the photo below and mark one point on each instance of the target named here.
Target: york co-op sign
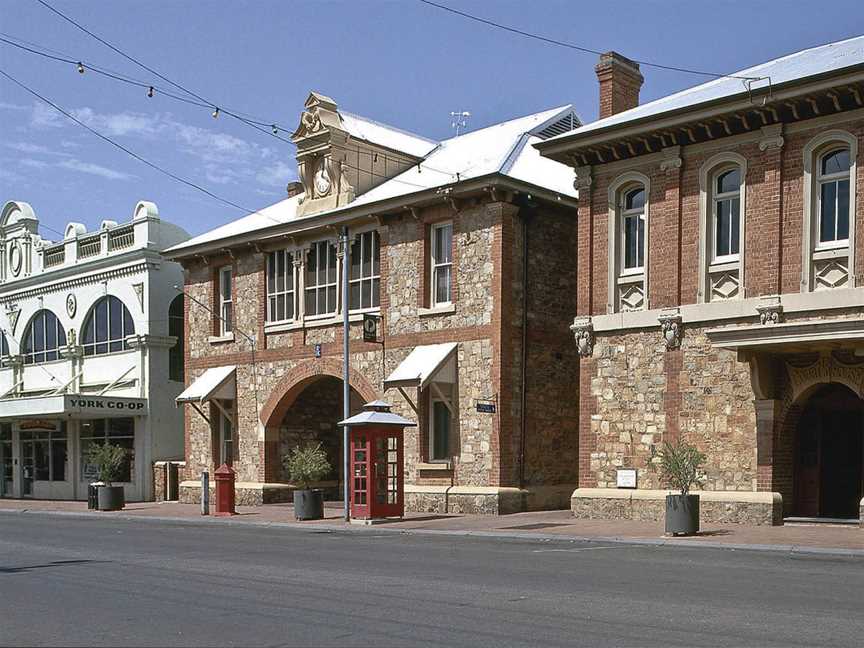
(106, 406)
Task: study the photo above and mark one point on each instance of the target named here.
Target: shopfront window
(118, 431)
(48, 450)
(6, 464)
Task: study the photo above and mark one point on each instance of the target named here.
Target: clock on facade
(322, 178)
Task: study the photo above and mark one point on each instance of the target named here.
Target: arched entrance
(304, 407)
(828, 457)
(312, 418)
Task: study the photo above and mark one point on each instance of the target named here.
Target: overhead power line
(267, 128)
(129, 152)
(573, 46)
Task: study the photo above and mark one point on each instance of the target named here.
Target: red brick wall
(773, 222)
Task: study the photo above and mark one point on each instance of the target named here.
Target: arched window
(106, 327)
(4, 348)
(726, 215)
(633, 230)
(43, 338)
(832, 179)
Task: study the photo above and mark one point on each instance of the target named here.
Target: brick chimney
(620, 81)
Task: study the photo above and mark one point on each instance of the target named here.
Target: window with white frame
(832, 180)
(365, 277)
(43, 338)
(828, 246)
(280, 286)
(226, 301)
(321, 279)
(440, 425)
(442, 264)
(633, 231)
(726, 215)
(106, 327)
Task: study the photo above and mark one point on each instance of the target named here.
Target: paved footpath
(561, 525)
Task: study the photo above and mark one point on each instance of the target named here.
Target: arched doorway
(312, 418)
(829, 454)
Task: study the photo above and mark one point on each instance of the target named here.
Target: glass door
(28, 467)
(6, 463)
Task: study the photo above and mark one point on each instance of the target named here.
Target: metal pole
(346, 389)
(205, 492)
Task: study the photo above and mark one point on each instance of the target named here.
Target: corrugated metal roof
(810, 62)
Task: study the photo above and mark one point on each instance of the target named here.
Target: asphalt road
(70, 581)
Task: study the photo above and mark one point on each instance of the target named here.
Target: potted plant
(305, 465)
(679, 465)
(109, 460)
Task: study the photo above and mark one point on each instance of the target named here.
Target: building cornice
(428, 197)
(46, 287)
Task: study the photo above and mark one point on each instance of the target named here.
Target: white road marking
(575, 550)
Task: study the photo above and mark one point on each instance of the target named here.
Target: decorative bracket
(584, 178)
(772, 137)
(583, 331)
(770, 310)
(671, 327)
(671, 159)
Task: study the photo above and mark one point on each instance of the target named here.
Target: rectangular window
(726, 236)
(225, 424)
(442, 263)
(226, 301)
(119, 431)
(439, 428)
(365, 279)
(280, 286)
(634, 237)
(834, 211)
(321, 284)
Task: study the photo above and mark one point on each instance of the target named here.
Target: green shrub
(679, 465)
(306, 464)
(109, 460)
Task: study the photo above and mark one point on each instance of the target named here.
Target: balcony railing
(54, 256)
(120, 238)
(89, 247)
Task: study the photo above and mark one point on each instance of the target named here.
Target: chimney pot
(620, 82)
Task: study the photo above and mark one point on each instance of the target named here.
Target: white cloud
(33, 164)
(10, 106)
(277, 175)
(34, 149)
(44, 116)
(222, 158)
(118, 124)
(94, 169)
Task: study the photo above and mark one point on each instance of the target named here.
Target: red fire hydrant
(224, 476)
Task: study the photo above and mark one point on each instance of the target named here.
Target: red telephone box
(377, 480)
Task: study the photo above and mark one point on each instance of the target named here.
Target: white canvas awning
(215, 383)
(424, 365)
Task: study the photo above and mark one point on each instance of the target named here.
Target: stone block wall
(275, 390)
(633, 379)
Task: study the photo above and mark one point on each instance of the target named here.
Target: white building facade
(91, 350)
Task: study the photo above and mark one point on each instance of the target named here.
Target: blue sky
(399, 62)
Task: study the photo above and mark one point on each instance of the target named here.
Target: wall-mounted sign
(105, 406)
(370, 327)
(486, 408)
(37, 424)
(626, 478)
